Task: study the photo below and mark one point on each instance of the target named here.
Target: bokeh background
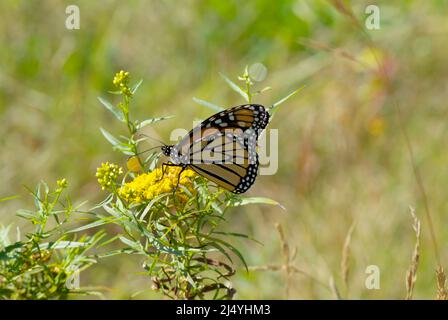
(343, 159)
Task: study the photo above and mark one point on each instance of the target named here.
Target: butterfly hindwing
(233, 177)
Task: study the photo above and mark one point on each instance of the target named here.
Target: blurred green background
(342, 156)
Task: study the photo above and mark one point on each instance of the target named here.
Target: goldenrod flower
(108, 174)
(121, 78)
(62, 184)
(121, 81)
(149, 185)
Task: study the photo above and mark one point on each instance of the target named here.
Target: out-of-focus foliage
(47, 263)
(342, 157)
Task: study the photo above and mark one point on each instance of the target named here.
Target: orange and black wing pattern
(223, 147)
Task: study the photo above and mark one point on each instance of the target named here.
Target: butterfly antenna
(154, 139)
(147, 150)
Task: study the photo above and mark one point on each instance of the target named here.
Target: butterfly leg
(163, 171)
(178, 180)
(164, 165)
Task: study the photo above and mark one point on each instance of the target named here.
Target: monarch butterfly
(223, 147)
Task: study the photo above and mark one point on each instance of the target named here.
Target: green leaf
(114, 141)
(231, 248)
(9, 198)
(116, 92)
(150, 205)
(117, 112)
(235, 87)
(135, 88)
(261, 91)
(36, 196)
(186, 274)
(110, 240)
(111, 211)
(132, 244)
(27, 214)
(62, 245)
(4, 253)
(152, 160)
(276, 104)
(117, 252)
(102, 203)
(4, 238)
(208, 104)
(221, 249)
(156, 243)
(124, 149)
(236, 234)
(92, 225)
(46, 187)
(151, 121)
(255, 200)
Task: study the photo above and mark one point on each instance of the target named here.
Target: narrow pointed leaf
(9, 198)
(235, 87)
(151, 121)
(109, 137)
(117, 112)
(135, 88)
(276, 104)
(62, 245)
(92, 225)
(208, 104)
(256, 200)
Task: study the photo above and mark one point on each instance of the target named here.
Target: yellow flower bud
(108, 174)
(133, 164)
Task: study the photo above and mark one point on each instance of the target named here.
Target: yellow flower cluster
(121, 81)
(149, 185)
(108, 174)
(62, 184)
